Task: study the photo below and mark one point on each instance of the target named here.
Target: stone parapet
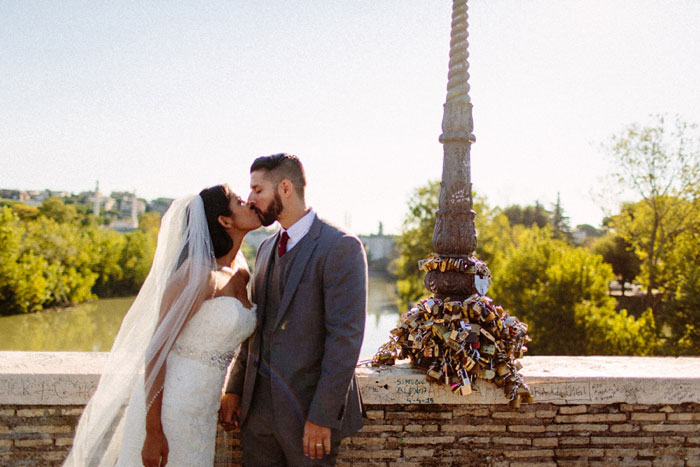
(556, 380)
(587, 411)
(70, 378)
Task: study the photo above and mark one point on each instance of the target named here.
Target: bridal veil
(178, 281)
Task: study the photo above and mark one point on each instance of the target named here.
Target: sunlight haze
(165, 98)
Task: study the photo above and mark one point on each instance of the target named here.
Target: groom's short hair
(281, 166)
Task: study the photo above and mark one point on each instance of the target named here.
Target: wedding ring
(319, 444)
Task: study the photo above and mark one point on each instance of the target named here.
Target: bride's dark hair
(217, 202)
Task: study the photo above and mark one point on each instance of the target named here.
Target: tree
(22, 286)
(107, 249)
(54, 256)
(528, 215)
(149, 222)
(661, 163)
(56, 209)
(25, 212)
(70, 256)
(619, 254)
(684, 322)
(560, 223)
(416, 241)
(561, 292)
(136, 261)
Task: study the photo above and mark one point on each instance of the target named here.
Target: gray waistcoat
(277, 277)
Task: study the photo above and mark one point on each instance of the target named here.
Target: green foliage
(249, 252)
(107, 247)
(618, 253)
(55, 209)
(528, 215)
(561, 292)
(661, 161)
(415, 241)
(25, 212)
(616, 333)
(149, 222)
(51, 256)
(21, 288)
(496, 237)
(560, 223)
(136, 260)
(68, 254)
(654, 229)
(684, 304)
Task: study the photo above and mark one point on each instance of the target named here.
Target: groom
(292, 389)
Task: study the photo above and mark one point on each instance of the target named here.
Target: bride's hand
(155, 449)
(230, 411)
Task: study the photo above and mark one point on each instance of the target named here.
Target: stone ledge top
(557, 380)
(70, 378)
(52, 363)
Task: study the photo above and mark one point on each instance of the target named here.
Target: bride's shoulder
(234, 278)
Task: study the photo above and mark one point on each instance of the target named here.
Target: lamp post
(458, 335)
(454, 238)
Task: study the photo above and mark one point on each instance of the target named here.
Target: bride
(158, 397)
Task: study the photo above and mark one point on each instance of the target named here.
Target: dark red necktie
(283, 243)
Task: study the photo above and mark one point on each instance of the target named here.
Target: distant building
(127, 207)
(379, 246)
(123, 225)
(32, 197)
(15, 195)
(381, 249)
(585, 234)
(159, 205)
(124, 201)
(108, 203)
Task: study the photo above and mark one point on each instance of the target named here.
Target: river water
(91, 327)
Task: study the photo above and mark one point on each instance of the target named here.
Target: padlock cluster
(469, 266)
(459, 342)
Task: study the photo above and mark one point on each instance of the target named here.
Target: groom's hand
(316, 440)
(230, 411)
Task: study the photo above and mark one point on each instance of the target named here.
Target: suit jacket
(318, 333)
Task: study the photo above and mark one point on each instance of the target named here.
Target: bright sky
(166, 98)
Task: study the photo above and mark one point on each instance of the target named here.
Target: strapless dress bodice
(215, 331)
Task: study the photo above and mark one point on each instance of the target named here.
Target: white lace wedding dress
(195, 373)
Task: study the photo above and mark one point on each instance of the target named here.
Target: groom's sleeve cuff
(326, 417)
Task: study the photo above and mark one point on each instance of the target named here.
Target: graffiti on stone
(554, 392)
(58, 390)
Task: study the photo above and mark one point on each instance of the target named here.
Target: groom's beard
(273, 211)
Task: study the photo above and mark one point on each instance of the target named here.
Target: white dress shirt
(300, 228)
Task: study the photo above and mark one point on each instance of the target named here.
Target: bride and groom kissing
(292, 389)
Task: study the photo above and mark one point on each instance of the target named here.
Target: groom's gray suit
(308, 341)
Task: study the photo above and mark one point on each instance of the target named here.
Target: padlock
(502, 369)
(514, 402)
(487, 335)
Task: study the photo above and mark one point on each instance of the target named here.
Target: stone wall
(588, 411)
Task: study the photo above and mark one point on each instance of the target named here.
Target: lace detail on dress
(196, 369)
(209, 358)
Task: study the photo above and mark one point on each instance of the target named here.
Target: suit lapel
(308, 246)
(262, 266)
